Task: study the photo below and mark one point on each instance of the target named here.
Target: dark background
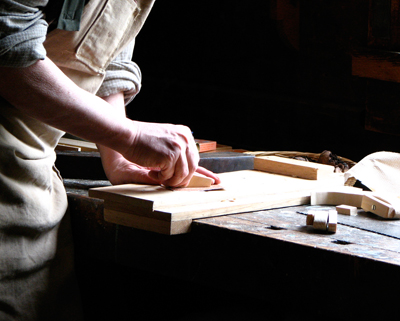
(227, 70)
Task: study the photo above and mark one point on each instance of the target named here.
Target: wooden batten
(147, 223)
(76, 144)
(293, 167)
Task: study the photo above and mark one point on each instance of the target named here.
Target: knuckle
(184, 173)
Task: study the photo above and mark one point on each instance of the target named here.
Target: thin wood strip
(147, 223)
(291, 154)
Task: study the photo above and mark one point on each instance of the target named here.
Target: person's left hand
(121, 171)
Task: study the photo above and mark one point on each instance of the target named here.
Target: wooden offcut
(76, 144)
(199, 180)
(158, 209)
(346, 209)
(376, 205)
(323, 220)
(332, 221)
(204, 145)
(348, 199)
(320, 221)
(293, 167)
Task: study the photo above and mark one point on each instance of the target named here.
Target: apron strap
(71, 13)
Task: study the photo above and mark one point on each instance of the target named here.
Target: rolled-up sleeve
(22, 32)
(122, 75)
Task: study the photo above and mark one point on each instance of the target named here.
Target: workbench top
(255, 251)
(364, 236)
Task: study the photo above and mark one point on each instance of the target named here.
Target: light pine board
(155, 208)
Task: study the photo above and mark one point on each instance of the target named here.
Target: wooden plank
(293, 167)
(243, 191)
(381, 65)
(237, 185)
(218, 206)
(204, 145)
(181, 218)
(147, 223)
(68, 147)
(84, 146)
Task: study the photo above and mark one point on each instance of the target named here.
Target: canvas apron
(36, 253)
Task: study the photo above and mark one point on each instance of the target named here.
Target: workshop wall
(269, 75)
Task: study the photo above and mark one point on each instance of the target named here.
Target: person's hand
(168, 150)
(121, 171)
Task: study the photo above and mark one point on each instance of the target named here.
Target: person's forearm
(108, 155)
(117, 169)
(43, 92)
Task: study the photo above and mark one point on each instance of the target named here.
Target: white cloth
(380, 172)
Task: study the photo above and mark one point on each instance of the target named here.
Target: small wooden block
(323, 220)
(199, 180)
(320, 220)
(332, 221)
(205, 145)
(310, 219)
(346, 209)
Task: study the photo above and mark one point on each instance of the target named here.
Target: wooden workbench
(238, 266)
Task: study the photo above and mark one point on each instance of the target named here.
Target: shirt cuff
(24, 48)
(122, 75)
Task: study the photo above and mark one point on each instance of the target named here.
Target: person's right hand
(170, 150)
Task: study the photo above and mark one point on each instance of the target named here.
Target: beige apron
(36, 266)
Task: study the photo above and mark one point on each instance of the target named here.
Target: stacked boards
(162, 210)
